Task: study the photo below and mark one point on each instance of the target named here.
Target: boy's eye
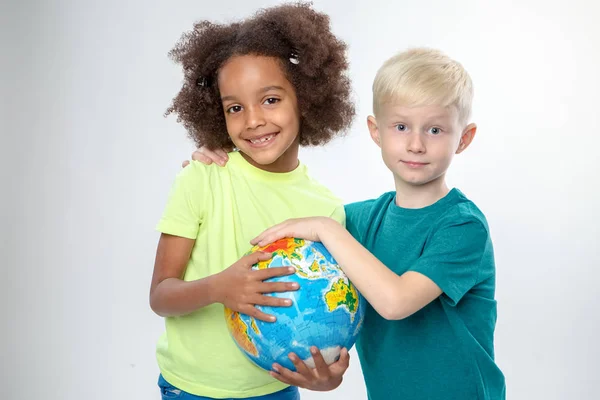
(435, 130)
(234, 109)
(271, 100)
(401, 127)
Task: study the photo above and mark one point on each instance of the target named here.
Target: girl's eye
(401, 127)
(435, 130)
(271, 100)
(234, 109)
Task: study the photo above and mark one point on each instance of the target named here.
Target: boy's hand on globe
(302, 228)
(321, 378)
(206, 156)
(240, 288)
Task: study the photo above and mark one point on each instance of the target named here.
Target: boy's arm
(392, 296)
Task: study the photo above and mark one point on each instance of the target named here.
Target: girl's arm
(169, 295)
(237, 287)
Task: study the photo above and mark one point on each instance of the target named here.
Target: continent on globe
(283, 248)
(239, 331)
(342, 294)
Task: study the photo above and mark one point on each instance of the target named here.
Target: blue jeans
(170, 392)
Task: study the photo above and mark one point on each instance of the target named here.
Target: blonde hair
(421, 76)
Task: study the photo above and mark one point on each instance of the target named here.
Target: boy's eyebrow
(442, 118)
(261, 90)
(429, 117)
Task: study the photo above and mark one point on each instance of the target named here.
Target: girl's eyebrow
(267, 88)
(262, 90)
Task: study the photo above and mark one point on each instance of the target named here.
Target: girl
(265, 85)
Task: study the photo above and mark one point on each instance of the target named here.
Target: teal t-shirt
(445, 350)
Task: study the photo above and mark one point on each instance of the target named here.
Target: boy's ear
(467, 136)
(373, 130)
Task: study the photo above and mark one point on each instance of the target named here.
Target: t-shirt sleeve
(457, 256)
(186, 205)
(339, 215)
(357, 218)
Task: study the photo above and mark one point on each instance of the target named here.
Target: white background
(87, 161)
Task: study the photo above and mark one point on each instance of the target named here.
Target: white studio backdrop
(88, 159)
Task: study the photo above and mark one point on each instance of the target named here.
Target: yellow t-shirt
(223, 208)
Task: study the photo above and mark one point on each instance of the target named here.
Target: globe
(327, 311)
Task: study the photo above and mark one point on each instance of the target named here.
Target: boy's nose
(254, 118)
(415, 143)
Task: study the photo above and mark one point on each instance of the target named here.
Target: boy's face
(418, 143)
(261, 111)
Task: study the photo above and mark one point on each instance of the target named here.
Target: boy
(421, 255)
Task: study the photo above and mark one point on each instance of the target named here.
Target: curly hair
(295, 31)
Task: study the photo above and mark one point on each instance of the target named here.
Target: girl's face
(261, 111)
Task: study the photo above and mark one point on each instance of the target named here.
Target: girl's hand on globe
(301, 228)
(321, 378)
(240, 288)
(206, 156)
